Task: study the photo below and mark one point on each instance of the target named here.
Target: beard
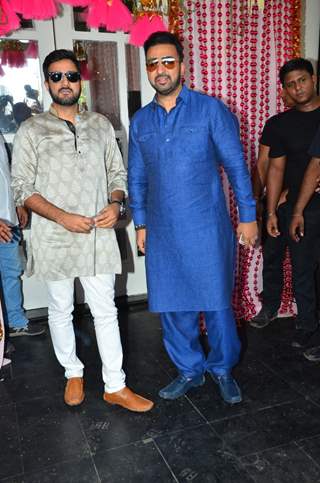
(66, 101)
(168, 89)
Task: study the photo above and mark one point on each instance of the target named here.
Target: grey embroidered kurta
(76, 172)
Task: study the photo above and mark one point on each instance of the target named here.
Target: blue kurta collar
(182, 97)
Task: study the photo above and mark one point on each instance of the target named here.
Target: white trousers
(99, 292)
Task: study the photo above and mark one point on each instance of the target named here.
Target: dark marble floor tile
(269, 341)
(135, 463)
(10, 452)
(311, 446)
(76, 471)
(34, 355)
(50, 433)
(29, 386)
(198, 455)
(260, 388)
(287, 464)
(301, 374)
(279, 425)
(109, 426)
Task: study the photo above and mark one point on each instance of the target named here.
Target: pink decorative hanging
(84, 70)
(78, 3)
(35, 9)
(144, 26)
(8, 19)
(13, 58)
(32, 50)
(112, 14)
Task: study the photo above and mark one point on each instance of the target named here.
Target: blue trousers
(181, 340)
(10, 272)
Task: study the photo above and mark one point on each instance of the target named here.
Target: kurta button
(167, 140)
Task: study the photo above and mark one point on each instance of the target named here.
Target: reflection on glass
(20, 83)
(79, 15)
(100, 78)
(133, 75)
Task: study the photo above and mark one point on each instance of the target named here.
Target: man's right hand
(272, 226)
(141, 240)
(5, 232)
(76, 223)
(296, 229)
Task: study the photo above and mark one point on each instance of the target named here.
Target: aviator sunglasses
(168, 62)
(72, 76)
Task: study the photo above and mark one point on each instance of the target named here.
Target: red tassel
(32, 50)
(115, 16)
(8, 19)
(13, 58)
(143, 27)
(84, 70)
(119, 17)
(35, 9)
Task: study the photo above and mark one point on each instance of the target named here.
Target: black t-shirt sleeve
(277, 144)
(266, 135)
(314, 149)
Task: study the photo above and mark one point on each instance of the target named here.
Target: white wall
(311, 29)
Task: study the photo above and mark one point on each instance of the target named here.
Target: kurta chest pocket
(196, 141)
(147, 143)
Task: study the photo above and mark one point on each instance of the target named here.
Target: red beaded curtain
(235, 53)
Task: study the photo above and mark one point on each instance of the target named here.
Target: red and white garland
(234, 51)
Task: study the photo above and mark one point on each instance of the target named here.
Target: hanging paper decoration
(143, 27)
(8, 19)
(12, 53)
(77, 3)
(175, 16)
(32, 50)
(81, 55)
(149, 18)
(111, 14)
(35, 9)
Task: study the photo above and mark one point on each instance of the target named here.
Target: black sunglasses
(72, 76)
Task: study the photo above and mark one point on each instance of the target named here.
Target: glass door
(114, 84)
(22, 94)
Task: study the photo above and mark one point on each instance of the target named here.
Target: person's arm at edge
(309, 184)
(227, 142)
(137, 188)
(274, 187)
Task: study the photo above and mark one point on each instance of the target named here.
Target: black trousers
(304, 259)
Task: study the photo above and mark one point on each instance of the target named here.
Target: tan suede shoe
(74, 393)
(128, 400)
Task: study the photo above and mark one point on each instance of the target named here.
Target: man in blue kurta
(177, 143)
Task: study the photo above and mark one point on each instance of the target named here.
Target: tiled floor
(273, 436)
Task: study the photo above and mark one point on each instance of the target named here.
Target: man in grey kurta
(177, 144)
(67, 168)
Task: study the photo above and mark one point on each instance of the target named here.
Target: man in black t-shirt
(289, 154)
(272, 273)
(296, 230)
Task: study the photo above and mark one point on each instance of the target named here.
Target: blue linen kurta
(175, 189)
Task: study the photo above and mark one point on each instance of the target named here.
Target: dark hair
(163, 38)
(21, 112)
(55, 56)
(295, 64)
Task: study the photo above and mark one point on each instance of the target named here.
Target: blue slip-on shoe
(180, 385)
(229, 389)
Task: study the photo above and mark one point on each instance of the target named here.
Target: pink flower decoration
(35, 9)
(143, 27)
